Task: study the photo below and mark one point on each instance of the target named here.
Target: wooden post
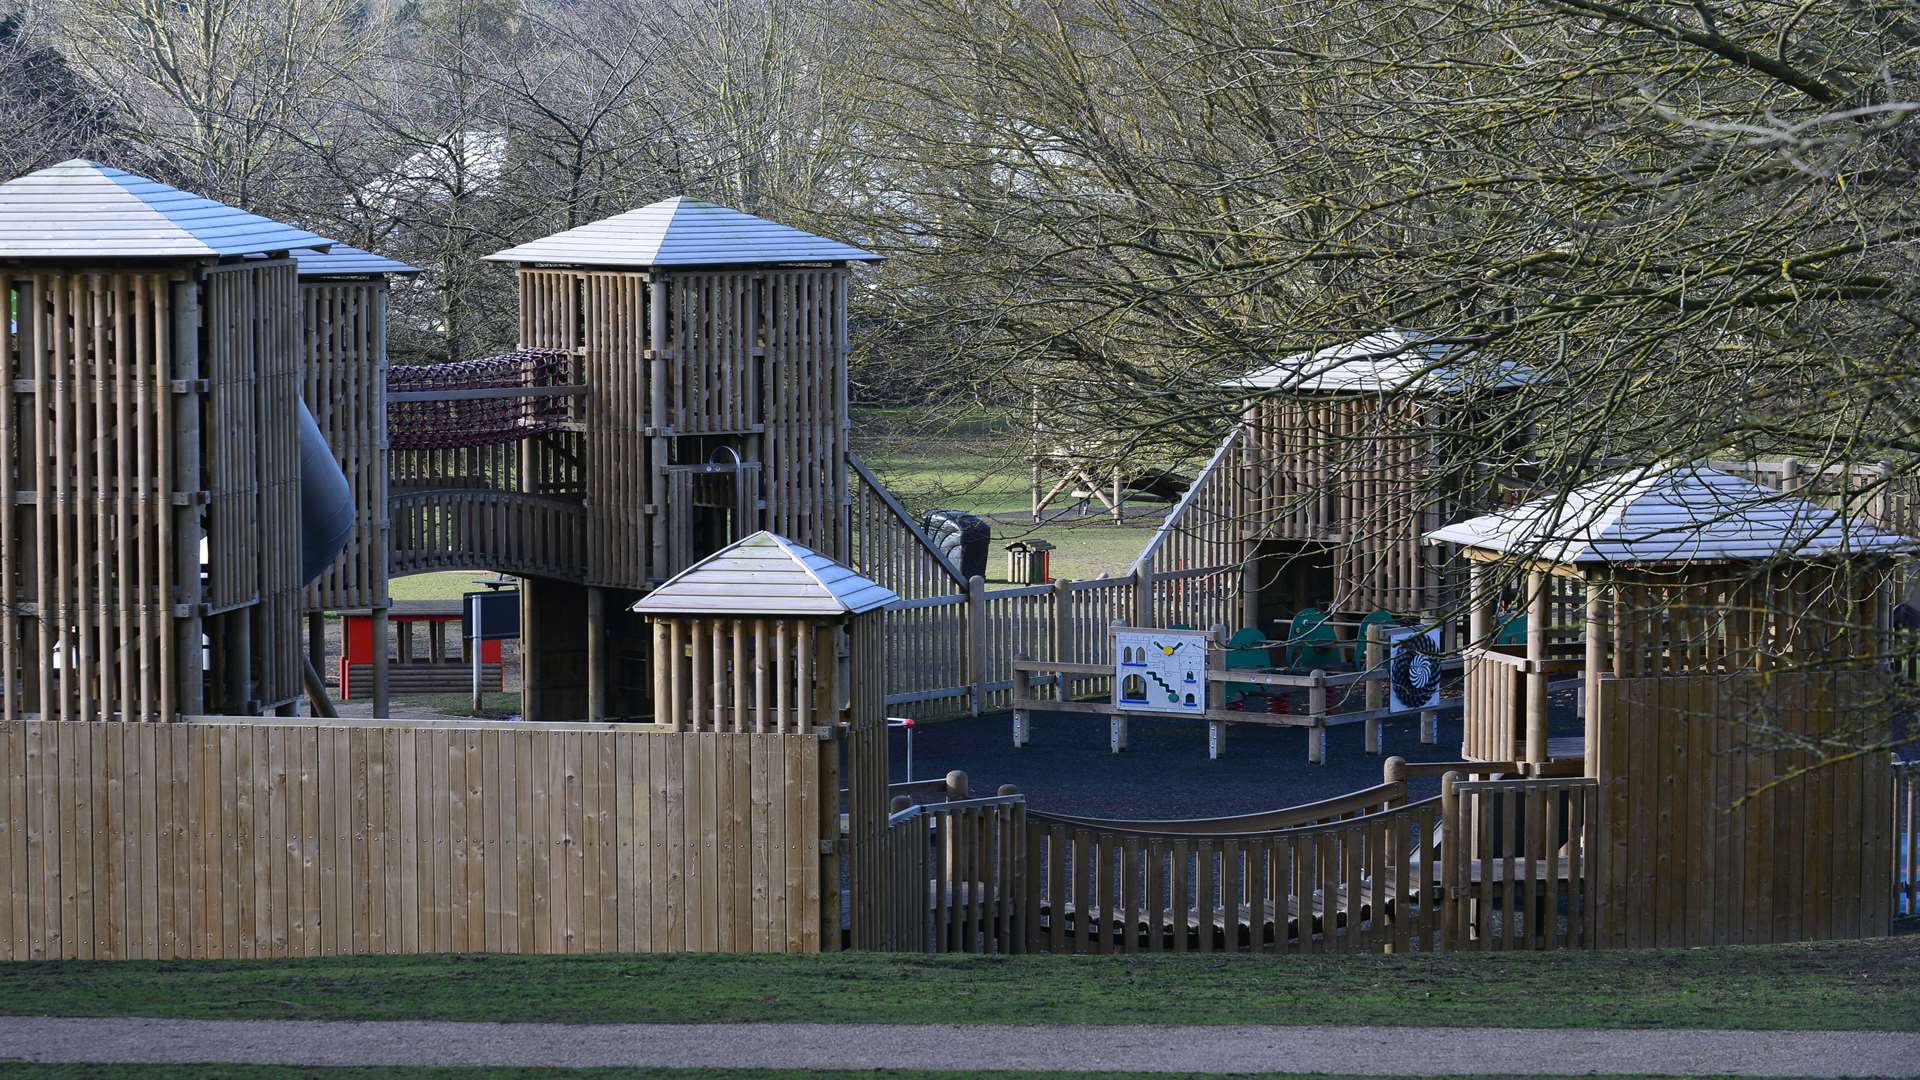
(1451, 920)
(1117, 732)
(1143, 593)
(1377, 696)
(1063, 634)
(1598, 625)
(1022, 690)
(977, 642)
(1394, 771)
(1317, 709)
(317, 640)
(1479, 605)
(1119, 503)
(597, 655)
(1537, 584)
(189, 526)
(382, 689)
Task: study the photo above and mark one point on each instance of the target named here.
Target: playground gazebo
(1731, 657)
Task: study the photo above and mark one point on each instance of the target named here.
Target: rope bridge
(485, 402)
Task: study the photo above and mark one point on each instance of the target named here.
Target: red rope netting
(485, 421)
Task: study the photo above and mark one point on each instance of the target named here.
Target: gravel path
(1363, 1050)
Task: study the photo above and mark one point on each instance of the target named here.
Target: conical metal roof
(1385, 362)
(682, 232)
(345, 260)
(1671, 512)
(765, 574)
(85, 210)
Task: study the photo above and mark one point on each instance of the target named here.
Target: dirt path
(1361, 1050)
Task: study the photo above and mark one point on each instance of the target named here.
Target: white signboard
(1413, 657)
(1160, 671)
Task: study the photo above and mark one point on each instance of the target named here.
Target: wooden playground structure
(721, 606)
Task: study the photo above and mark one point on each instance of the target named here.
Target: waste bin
(1029, 562)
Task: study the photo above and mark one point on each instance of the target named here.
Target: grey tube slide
(326, 503)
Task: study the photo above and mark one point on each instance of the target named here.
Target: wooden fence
(1496, 705)
(956, 654)
(956, 871)
(263, 838)
(1519, 868)
(1723, 821)
(1363, 883)
(890, 547)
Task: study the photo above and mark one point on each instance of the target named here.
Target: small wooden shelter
(150, 499)
(1349, 459)
(710, 349)
(343, 327)
(1732, 644)
(768, 637)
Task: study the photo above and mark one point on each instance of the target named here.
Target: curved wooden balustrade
(510, 532)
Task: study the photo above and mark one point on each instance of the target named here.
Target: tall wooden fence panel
(344, 372)
(1723, 824)
(1496, 705)
(269, 839)
(1368, 883)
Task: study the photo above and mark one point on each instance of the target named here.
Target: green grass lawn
(443, 586)
(1871, 985)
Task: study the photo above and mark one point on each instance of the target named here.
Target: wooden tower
(149, 395)
(1732, 643)
(769, 638)
(343, 332)
(1348, 461)
(712, 348)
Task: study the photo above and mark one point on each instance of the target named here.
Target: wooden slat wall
(271, 839)
(1496, 706)
(956, 873)
(344, 378)
(1734, 617)
(1353, 472)
(89, 574)
(1807, 855)
(803, 325)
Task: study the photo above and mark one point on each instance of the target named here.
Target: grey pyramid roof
(1671, 512)
(682, 232)
(765, 574)
(345, 260)
(1388, 361)
(83, 209)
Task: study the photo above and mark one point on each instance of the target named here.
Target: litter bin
(1029, 562)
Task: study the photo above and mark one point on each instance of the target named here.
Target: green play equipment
(1311, 642)
(1245, 649)
(1513, 631)
(1373, 655)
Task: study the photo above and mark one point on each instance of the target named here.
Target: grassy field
(1873, 985)
(445, 586)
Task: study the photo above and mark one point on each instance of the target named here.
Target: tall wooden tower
(712, 348)
(150, 498)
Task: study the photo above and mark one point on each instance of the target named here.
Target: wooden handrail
(1365, 800)
(905, 519)
(1173, 519)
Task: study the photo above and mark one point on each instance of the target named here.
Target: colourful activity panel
(1160, 671)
